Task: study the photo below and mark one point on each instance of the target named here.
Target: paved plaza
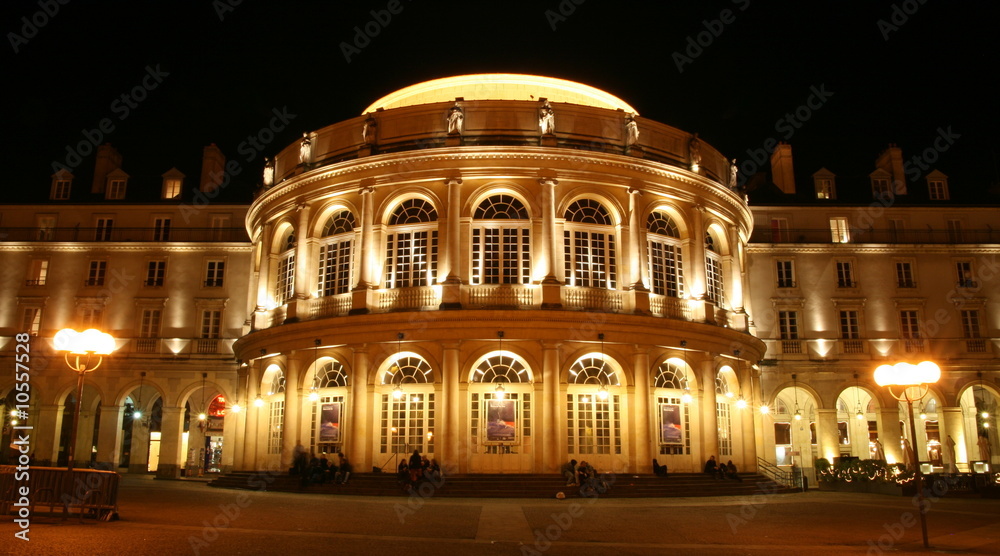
(187, 517)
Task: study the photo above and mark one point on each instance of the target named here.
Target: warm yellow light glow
(602, 393)
(860, 416)
(259, 402)
(686, 397)
(986, 415)
(397, 392)
(137, 415)
(237, 408)
(741, 404)
(81, 343)
(13, 413)
(500, 392)
(14, 422)
(313, 395)
(729, 394)
(798, 415)
(202, 416)
(500, 86)
(764, 410)
(907, 374)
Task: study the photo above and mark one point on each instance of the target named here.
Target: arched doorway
(500, 415)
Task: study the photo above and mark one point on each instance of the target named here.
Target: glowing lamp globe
(907, 374)
(81, 343)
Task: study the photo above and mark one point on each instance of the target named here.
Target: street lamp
(910, 383)
(80, 350)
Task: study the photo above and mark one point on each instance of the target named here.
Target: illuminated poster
(501, 420)
(670, 424)
(329, 423)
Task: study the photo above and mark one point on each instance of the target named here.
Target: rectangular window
(116, 189)
(937, 190)
(783, 433)
(215, 272)
(211, 323)
(500, 256)
(964, 273)
(91, 317)
(411, 259)
(974, 343)
(839, 230)
(60, 190)
(904, 275)
(713, 279)
(335, 268)
(284, 287)
(665, 269)
(155, 271)
(725, 428)
(909, 330)
(161, 229)
(171, 188)
(38, 272)
(103, 228)
(221, 224)
(845, 275)
(275, 426)
(880, 188)
(95, 275)
(843, 436)
(31, 320)
(786, 274)
(824, 188)
(46, 227)
(955, 231)
(897, 229)
(788, 327)
(779, 230)
(149, 324)
(850, 332)
(590, 259)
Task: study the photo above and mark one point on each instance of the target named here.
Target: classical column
(736, 279)
(47, 433)
(252, 420)
(640, 405)
(695, 269)
(171, 427)
(635, 247)
(452, 285)
(551, 294)
(302, 275)
(109, 438)
(360, 299)
(954, 428)
(552, 441)
(293, 408)
(827, 434)
(264, 267)
(889, 432)
(706, 405)
(138, 458)
(449, 409)
(359, 441)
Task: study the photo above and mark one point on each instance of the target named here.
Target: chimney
(108, 160)
(782, 172)
(213, 168)
(891, 160)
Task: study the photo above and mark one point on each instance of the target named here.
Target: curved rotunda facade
(503, 272)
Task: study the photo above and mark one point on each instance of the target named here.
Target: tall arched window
(336, 254)
(284, 285)
(331, 375)
(500, 369)
(665, 258)
(713, 272)
(673, 413)
(407, 416)
(589, 245)
(411, 245)
(501, 242)
(593, 421)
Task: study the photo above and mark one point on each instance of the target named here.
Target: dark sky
(902, 81)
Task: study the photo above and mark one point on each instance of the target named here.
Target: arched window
(331, 375)
(277, 383)
(593, 370)
(713, 272)
(665, 257)
(500, 368)
(411, 245)
(336, 254)
(589, 246)
(408, 370)
(670, 375)
(284, 285)
(501, 242)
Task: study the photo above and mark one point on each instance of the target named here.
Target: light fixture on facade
(686, 396)
(397, 391)
(857, 396)
(923, 412)
(314, 390)
(741, 402)
(602, 390)
(137, 414)
(499, 392)
(795, 395)
(203, 415)
(982, 395)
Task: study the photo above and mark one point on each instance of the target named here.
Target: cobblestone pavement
(186, 517)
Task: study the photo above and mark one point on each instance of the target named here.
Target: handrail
(770, 470)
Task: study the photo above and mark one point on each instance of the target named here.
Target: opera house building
(502, 272)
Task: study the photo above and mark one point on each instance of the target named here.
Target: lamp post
(908, 382)
(80, 349)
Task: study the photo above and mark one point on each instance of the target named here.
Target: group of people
(722, 470)
(417, 468)
(582, 475)
(313, 469)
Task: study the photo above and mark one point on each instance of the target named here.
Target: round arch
(499, 187)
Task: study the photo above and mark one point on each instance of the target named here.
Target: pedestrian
(568, 471)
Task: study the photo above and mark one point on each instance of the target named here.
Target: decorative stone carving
(456, 119)
(631, 131)
(268, 172)
(369, 130)
(546, 119)
(305, 149)
(734, 172)
(694, 152)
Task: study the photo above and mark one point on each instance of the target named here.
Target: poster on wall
(329, 423)
(501, 420)
(670, 424)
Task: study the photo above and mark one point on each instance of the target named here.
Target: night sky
(899, 72)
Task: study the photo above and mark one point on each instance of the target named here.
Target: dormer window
(173, 181)
(937, 186)
(880, 188)
(825, 184)
(116, 189)
(62, 181)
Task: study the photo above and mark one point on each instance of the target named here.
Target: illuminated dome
(500, 86)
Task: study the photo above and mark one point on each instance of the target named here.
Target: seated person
(433, 470)
(403, 473)
(568, 471)
(343, 471)
(659, 470)
(711, 467)
(731, 472)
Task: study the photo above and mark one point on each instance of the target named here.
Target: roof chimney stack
(891, 160)
(782, 172)
(213, 168)
(108, 160)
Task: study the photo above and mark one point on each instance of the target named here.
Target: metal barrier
(88, 490)
(791, 478)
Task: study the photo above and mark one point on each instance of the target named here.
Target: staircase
(514, 486)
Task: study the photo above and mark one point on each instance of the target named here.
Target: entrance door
(500, 432)
(594, 430)
(407, 424)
